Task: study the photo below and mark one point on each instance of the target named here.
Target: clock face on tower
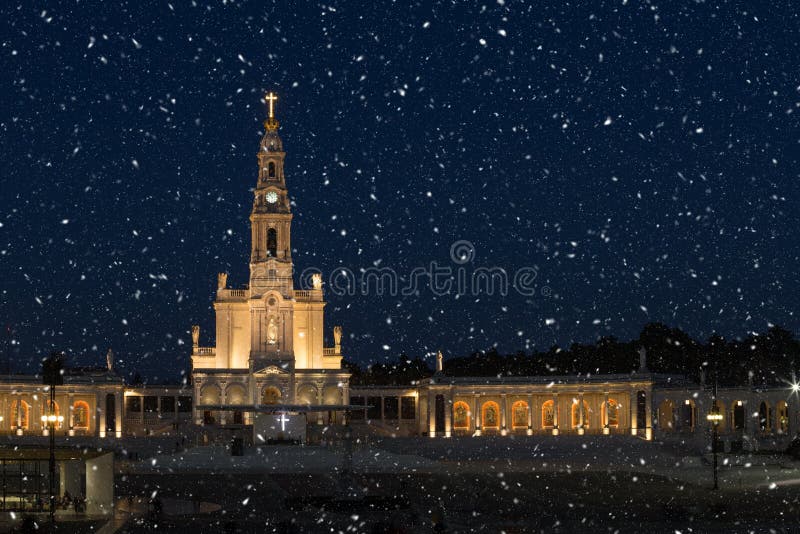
(272, 197)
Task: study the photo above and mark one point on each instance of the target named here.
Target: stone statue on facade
(222, 280)
(272, 330)
(337, 336)
(195, 335)
(439, 361)
(110, 359)
(642, 359)
(316, 281)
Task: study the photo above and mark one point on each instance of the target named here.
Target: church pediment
(271, 370)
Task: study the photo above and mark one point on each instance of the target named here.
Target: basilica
(269, 335)
(268, 356)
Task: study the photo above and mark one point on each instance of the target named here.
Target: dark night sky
(642, 156)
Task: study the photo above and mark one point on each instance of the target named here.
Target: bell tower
(271, 287)
(271, 216)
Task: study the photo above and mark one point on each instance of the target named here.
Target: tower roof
(271, 142)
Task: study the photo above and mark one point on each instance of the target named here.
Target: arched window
(20, 414)
(782, 414)
(580, 420)
(738, 415)
(763, 417)
(666, 415)
(271, 395)
(210, 394)
(272, 242)
(611, 413)
(80, 415)
(271, 169)
(490, 415)
(687, 415)
(519, 415)
(461, 416)
(548, 414)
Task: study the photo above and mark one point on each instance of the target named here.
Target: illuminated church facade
(269, 350)
(269, 335)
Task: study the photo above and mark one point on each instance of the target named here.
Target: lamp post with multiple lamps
(714, 417)
(52, 376)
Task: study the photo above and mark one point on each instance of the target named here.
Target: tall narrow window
(548, 414)
(460, 415)
(271, 169)
(80, 415)
(272, 242)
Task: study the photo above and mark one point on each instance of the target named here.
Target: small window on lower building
(408, 408)
(373, 407)
(184, 404)
(151, 404)
(357, 415)
(390, 408)
(133, 404)
(168, 405)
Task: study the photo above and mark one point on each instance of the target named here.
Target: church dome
(271, 142)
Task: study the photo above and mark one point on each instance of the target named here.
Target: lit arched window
(548, 415)
(782, 414)
(490, 415)
(19, 416)
(272, 242)
(519, 415)
(611, 415)
(461, 416)
(577, 415)
(80, 415)
(271, 169)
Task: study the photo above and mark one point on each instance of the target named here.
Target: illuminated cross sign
(271, 98)
(283, 420)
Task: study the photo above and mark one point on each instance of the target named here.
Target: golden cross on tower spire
(271, 98)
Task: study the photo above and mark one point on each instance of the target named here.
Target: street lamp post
(52, 376)
(714, 417)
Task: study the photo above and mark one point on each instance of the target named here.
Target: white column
(633, 413)
(119, 399)
(648, 415)
(477, 414)
(530, 414)
(448, 414)
(69, 415)
(18, 416)
(555, 413)
(503, 422)
(417, 410)
(581, 415)
(431, 414)
(100, 420)
(604, 414)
